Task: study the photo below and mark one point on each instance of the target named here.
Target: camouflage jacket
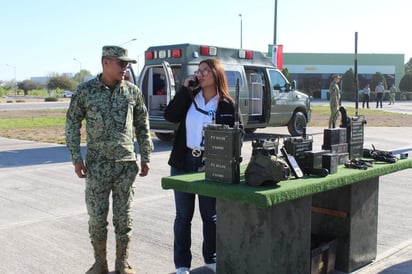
(334, 95)
(111, 115)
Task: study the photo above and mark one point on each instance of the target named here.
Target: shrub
(51, 99)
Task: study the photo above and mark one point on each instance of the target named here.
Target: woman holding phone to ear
(193, 107)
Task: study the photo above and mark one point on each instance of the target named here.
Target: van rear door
(158, 86)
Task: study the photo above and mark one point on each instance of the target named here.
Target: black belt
(195, 152)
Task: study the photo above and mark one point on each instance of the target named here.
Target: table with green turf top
(269, 229)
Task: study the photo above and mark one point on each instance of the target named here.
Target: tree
(285, 72)
(61, 82)
(348, 86)
(79, 77)
(348, 83)
(376, 79)
(28, 85)
(408, 67)
(405, 84)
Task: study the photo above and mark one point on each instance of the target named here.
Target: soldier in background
(115, 114)
(334, 99)
(392, 93)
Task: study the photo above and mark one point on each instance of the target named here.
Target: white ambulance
(266, 98)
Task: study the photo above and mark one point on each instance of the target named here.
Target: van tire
(166, 137)
(250, 130)
(297, 123)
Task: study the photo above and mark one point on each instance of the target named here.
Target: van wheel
(297, 123)
(167, 137)
(250, 130)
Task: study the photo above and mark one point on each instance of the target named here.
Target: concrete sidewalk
(43, 220)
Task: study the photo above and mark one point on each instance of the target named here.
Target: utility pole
(80, 69)
(241, 31)
(15, 79)
(275, 23)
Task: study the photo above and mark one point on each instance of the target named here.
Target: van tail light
(206, 50)
(177, 53)
(249, 54)
(149, 55)
(245, 54)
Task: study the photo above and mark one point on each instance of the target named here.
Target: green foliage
(405, 84)
(61, 82)
(31, 122)
(348, 86)
(285, 72)
(3, 92)
(38, 92)
(408, 67)
(348, 83)
(79, 77)
(51, 99)
(28, 85)
(376, 79)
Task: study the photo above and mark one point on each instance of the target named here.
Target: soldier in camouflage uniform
(334, 99)
(115, 114)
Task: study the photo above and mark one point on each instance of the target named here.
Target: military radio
(223, 146)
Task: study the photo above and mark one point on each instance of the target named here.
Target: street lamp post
(14, 80)
(131, 40)
(80, 69)
(241, 31)
(80, 64)
(275, 23)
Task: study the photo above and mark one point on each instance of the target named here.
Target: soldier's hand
(144, 168)
(80, 169)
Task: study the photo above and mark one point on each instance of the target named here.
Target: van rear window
(232, 76)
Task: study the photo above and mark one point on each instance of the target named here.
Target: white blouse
(196, 120)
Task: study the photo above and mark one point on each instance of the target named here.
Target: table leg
(356, 225)
(271, 240)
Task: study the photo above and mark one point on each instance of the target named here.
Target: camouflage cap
(336, 76)
(117, 52)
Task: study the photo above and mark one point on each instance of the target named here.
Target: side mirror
(293, 85)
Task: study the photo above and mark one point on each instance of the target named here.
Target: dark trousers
(185, 206)
(365, 100)
(379, 99)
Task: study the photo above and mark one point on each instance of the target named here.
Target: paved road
(43, 220)
(398, 107)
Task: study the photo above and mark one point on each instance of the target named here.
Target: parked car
(67, 94)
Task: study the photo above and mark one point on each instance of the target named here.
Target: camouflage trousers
(105, 178)
(333, 115)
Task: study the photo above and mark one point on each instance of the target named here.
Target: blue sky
(40, 38)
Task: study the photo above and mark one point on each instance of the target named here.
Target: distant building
(312, 71)
(40, 79)
(45, 79)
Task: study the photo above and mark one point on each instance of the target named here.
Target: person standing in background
(379, 91)
(366, 93)
(392, 94)
(334, 99)
(115, 114)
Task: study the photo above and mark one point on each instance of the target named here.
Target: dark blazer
(176, 112)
